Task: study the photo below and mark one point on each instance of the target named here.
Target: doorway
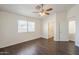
(50, 36)
(50, 30)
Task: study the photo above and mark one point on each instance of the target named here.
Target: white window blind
(26, 26)
(72, 27)
(22, 26)
(31, 26)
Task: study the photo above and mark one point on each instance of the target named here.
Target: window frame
(27, 26)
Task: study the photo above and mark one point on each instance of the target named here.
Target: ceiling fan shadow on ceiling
(42, 11)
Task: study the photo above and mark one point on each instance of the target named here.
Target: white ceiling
(27, 9)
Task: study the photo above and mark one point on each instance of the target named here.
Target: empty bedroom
(39, 29)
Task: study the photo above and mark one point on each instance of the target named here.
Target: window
(22, 26)
(71, 27)
(26, 26)
(31, 26)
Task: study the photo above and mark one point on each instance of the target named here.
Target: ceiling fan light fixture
(42, 14)
(42, 11)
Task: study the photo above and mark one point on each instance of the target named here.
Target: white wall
(73, 13)
(61, 26)
(52, 21)
(9, 30)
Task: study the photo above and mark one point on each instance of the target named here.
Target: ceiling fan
(41, 11)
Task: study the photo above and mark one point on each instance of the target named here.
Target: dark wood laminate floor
(41, 47)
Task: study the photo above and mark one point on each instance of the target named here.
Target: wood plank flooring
(41, 46)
